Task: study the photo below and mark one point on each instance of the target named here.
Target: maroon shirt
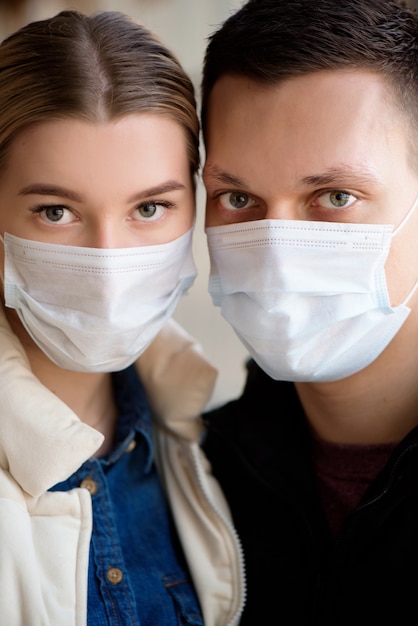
(343, 473)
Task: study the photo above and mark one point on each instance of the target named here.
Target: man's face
(328, 146)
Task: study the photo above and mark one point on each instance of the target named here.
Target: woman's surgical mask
(95, 309)
(308, 300)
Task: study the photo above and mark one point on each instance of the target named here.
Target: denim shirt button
(89, 484)
(114, 575)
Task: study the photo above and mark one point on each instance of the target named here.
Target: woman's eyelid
(165, 203)
(68, 214)
(160, 210)
(44, 206)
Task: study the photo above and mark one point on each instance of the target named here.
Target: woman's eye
(150, 211)
(336, 199)
(233, 200)
(55, 214)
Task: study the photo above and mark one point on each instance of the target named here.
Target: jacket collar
(178, 379)
(42, 441)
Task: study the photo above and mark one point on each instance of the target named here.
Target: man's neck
(378, 405)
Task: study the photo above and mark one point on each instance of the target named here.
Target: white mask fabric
(307, 299)
(95, 309)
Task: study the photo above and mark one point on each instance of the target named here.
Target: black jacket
(297, 574)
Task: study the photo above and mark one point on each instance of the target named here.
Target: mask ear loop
(4, 261)
(406, 218)
(410, 294)
(395, 232)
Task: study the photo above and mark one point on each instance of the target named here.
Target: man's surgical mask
(308, 300)
(95, 309)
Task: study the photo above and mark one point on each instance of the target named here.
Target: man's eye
(150, 211)
(336, 199)
(236, 200)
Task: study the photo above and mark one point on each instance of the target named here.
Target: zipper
(202, 482)
(391, 477)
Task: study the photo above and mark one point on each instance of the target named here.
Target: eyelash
(44, 207)
(335, 192)
(252, 201)
(164, 203)
(41, 208)
(160, 208)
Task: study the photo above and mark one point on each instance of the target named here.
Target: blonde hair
(98, 67)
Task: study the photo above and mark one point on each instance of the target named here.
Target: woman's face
(112, 184)
(119, 184)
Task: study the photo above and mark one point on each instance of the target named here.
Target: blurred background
(183, 25)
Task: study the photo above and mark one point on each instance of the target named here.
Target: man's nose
(282, 209)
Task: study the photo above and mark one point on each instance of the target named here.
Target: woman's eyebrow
(167, 186)
(43, 189)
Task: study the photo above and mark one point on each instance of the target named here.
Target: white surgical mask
(95, 309)
(308, 300)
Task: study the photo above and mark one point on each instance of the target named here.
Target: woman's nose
(105, 234)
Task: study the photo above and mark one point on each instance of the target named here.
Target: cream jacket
(45, 536)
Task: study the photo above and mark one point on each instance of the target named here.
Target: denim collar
(134, 415)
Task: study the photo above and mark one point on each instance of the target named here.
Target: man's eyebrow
(221, 176)
(54, 190)
(345, 174)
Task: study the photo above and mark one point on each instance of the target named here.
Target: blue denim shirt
(137, 572)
